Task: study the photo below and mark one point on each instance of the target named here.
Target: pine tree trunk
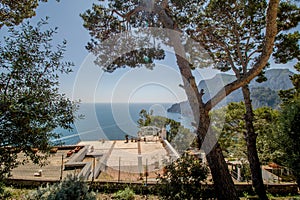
(298, 180)
(252, 154)
(223, 183)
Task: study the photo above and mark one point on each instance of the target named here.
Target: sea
(112, 121)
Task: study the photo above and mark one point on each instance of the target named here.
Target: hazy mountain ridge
(262, 94)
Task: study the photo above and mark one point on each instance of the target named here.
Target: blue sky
(89, 83)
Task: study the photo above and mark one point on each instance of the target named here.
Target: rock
(277, 79)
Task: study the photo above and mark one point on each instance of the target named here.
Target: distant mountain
(262, 94)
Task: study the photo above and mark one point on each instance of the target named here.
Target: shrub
(1, 187)
(71, 188)
(182, 179)
(4, 193)
(126, 194)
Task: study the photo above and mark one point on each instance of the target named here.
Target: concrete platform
(51, 171)
(110, 157)
(128, 159)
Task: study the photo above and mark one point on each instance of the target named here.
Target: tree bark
(252, 154)
(298, 180)
(223, 183)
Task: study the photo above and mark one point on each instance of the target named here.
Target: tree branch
(248, 42)
(130, 13)
(226, 49)
(271, 32)
(253, 52)
(238, 47)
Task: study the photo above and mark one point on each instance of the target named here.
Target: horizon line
(124, 102)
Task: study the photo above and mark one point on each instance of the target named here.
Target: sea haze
(113, 121)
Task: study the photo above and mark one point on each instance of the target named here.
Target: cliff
(262, 94)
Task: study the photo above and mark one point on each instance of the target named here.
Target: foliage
(145, 118)
(291, 50)
(265, 97)
(131, 49)
(265, 124)
(182, 179)
(223, 28)
(14, 12)
(232, 31)
(292, 93)
(180, 137)
(13, 193)
(288, 15)
(126, 194)
(126, 24)
(31, 106)
(287, 40)
(3, 193)
(148, 119)
(289, 124)
(289, 129)
(246, 171)
(231, 133)
(71, 188)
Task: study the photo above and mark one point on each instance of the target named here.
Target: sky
(89, 83)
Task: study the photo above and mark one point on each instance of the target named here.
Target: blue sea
(113, 121)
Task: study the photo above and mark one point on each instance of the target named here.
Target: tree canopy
(290, 136)
(106, 21)
(14, 12)
(231, 135)
(231, 31)
(289, 125)
(179, 136)
(31, 106)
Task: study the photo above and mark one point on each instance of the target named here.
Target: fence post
(61, 167)
(93, 177)
(119, 173)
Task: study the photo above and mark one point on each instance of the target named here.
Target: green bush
(4, 193)
(182, 179)
(126, 194)
(1, 187)
(71, 188)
